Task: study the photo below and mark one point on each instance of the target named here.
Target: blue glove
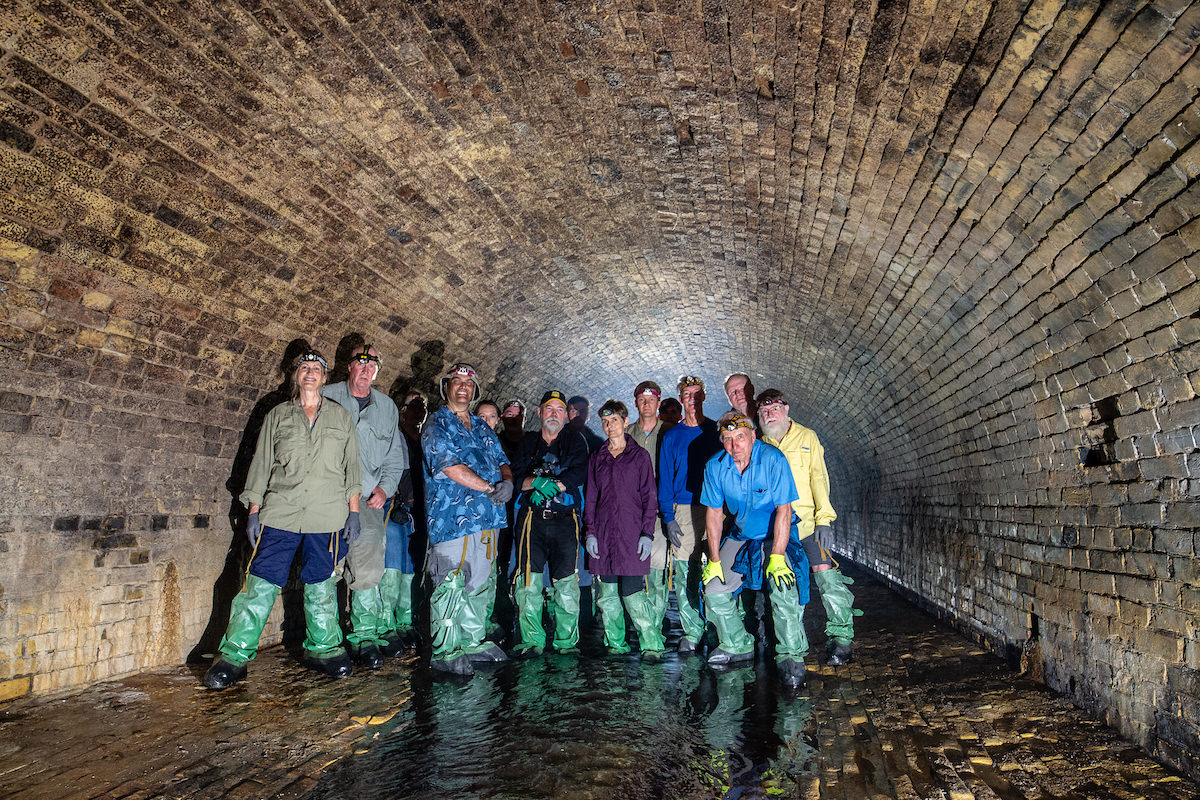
(253, 530)
(352, 529)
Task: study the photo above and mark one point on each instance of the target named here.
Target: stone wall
(961, 235)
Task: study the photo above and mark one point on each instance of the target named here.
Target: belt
(545, 513)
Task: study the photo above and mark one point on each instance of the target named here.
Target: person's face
(460, 391)
(362, 373)
(414, 411)
(488, 414)
(647, 406)
(310, 375)
(735, 390)
(692, 398)
(738, 443)
(671, 413)
(513, 419)
(577, 413)
(553, 416)
(614, 426)
(774, 419)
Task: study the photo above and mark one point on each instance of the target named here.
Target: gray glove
(502, 492)
(645, 545)
(824, 533)
(592, 546)
(352, 530)
(675, 533)
(253, 530)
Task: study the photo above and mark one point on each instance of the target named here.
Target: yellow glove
(780, 572)
(712, 570)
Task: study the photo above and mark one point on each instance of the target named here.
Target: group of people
(480, 506)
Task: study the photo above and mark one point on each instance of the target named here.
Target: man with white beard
(815, 516)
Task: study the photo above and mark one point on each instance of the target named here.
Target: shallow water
(580, 727)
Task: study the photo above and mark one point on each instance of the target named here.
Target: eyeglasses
(311, 356)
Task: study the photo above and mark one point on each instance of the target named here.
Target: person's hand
(824, 533)
(545, 485)
(712, 570)
(253, 529)
(501, 492)
(592, 546)
(377, 499)
(645, 545)
(675, 533)
(779, 571)
(352, 529)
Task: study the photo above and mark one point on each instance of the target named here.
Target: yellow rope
(250, 563)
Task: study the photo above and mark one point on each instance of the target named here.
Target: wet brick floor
(921, 713)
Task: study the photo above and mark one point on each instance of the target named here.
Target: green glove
(712, 570)
(545, 485)
(780, 572)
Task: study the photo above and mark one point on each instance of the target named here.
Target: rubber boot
(530, 633)
(247, 618)
(656, 588)
(476, 623)
(839, 613)
(612, 617)
(366, 627)
(649, 630)
(689, 610)
(447, 611)
(788, 615)
(323, 633)
(390, 586)
(564, 602)
(733, 642)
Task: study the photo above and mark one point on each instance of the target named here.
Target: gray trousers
(364, 562)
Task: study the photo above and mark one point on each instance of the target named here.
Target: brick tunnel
(960, 235)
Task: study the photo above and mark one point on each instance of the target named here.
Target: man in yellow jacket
(814, 516)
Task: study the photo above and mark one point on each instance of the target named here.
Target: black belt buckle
(548, 514)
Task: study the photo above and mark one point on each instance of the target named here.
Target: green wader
(529, 613)
(395, 592)
(447, 609)
(323, 633)
(367, 623)
(640, 606)
(657, 590)
(475, 620)
(839, 604)
(247, 618)
(612, 616)
(689, 610)
(564, 609)
(732, 636)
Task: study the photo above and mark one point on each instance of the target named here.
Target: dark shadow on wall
(237, 558)
(425, 368)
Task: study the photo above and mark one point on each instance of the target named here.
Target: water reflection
(566, 727)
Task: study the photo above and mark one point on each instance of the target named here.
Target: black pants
(540, 541)
(626, 584)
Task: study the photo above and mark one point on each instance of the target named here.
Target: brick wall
(960, 234)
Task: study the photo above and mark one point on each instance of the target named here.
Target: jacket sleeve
(590, 492)
(395, 460)
(648, 491)
(820, 488)
(352, 464)
(666, 477)
(574, 460)
(260, 465)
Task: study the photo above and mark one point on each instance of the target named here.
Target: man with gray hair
(384, 458)
(814, 519)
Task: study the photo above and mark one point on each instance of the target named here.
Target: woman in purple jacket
(620, 513)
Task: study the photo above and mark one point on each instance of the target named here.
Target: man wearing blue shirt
(754, 482)
(467, 483)
(684, 451)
